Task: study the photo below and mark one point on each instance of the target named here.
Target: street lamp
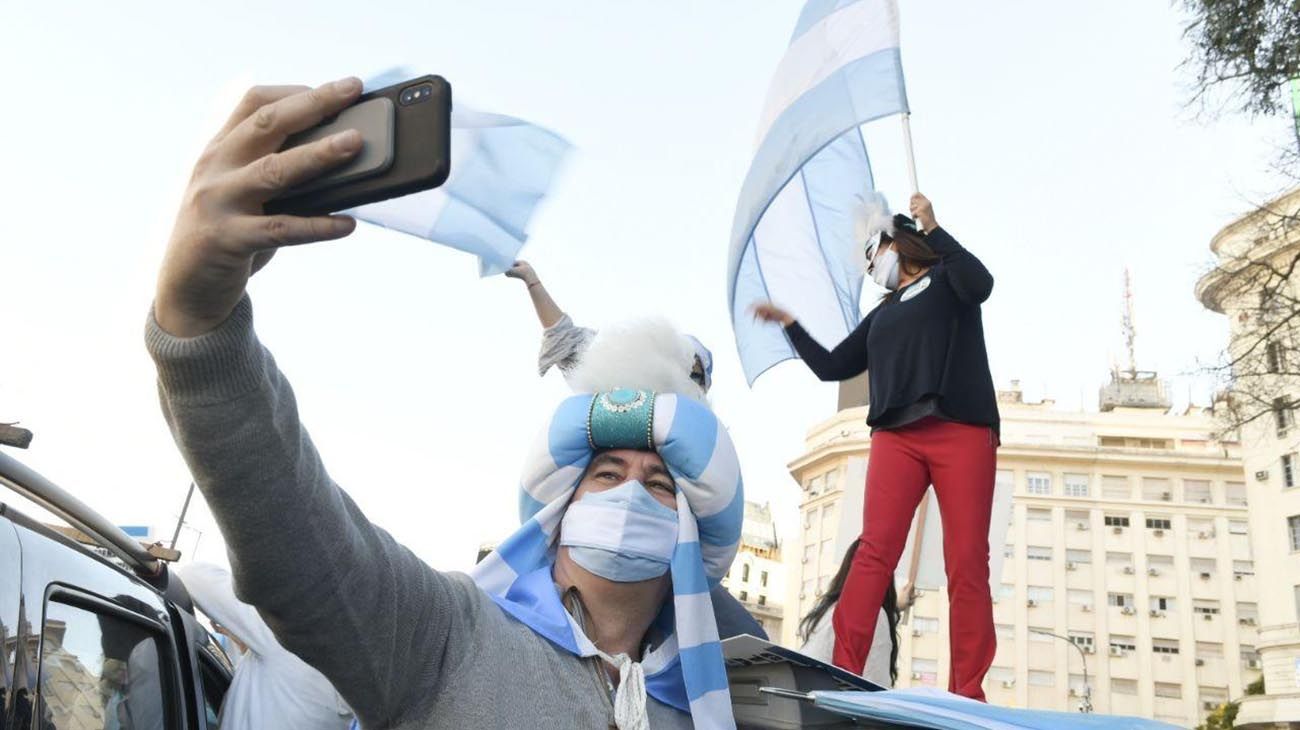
(1085, 704)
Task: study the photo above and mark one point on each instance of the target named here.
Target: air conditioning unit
(1205, 576)
(803, 561)
(1157, 613)
(916, 675)
(1205, 500)
(1254, 664)
(1086, 649)
(1209, 616)
(1074, 692)
(1128, 611)
(1261, 476)
(916, 632)
(1118, 530)
(1246, 621)
(1203, 535)
(1071, 565)
(1086, 608)
(802, 595)
(1237, 576)
(1128, 570)
(1200, 662)
(1008, 683)
(1031, 603)
(1166, 496)
(1158, 533)
(1081, 526)
(1117, 651)
(1152, 572)
(1208, 705)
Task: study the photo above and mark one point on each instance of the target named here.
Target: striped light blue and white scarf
(685, 669)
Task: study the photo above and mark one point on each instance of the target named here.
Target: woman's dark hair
(828, 600)
(914, 254)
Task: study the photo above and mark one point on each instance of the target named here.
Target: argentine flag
(501, 169)
(792, 237)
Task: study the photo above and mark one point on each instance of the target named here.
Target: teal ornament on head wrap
(622, 419)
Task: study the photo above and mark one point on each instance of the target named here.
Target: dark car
(95, 640)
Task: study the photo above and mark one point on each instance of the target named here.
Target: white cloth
(271, 688)
(821, 645)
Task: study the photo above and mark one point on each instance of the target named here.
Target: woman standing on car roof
(934, 420)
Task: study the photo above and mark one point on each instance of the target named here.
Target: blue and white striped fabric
(685, 668)
(934, 708)
(501, 169)
(792, 238)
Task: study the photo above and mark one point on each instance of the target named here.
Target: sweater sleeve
(970, 280)
(335, 589)
(848, 359)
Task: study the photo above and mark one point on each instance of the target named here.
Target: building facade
(1127, 555)
(757, 576)
(1253, 285)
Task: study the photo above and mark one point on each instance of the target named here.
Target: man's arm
(337, 591)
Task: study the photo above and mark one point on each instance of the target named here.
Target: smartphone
(406, 147)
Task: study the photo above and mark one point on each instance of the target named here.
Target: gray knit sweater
(407, 646)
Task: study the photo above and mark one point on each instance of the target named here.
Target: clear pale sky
(1052, 138)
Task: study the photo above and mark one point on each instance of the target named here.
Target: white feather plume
(646, 354)
(871, 217)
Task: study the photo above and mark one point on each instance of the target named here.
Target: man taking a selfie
(595, 613)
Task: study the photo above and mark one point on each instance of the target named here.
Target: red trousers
(960, 461)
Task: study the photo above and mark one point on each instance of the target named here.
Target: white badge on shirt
(916, 289)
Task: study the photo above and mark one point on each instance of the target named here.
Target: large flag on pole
(501, 169)
(792, 237)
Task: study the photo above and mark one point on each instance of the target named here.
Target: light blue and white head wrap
(685, 669)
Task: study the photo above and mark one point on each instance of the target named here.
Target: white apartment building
(757, 577)
(1263, 339)
(1128, 538)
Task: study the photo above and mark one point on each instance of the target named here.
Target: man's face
(615, 467)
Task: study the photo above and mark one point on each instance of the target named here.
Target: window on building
(1038, 552)
(1005, 479)
(1039, 594)
(1005, 631)
(1006, 592)
(822, 583)
(1079, 598)
(1038, 483)
(1236, 494)
(1038, 515)
(810, 555)
(744, 595)
(1161, 564)
(1123, 686)
(828, 518)
(1119, 642)
(1208, 650)
(762, 579)
(762, 600)
(1083, 640)
(1164, 646)
(1078, 557)
(829, 561)
(832, 481)
(810, 519)
(1156, 490)
(1169, 690)
(807, 590)
(1212, 697)
(1078, 685)
(1119, 560)
(1116, 487)
(1238, 527)
(1001, 675)
(1249, 654)
(1042, 679)
(925, 671)
(815, 486)
(1076, 485)
(1008, 551)
(1248, 612)
(1288, 471)
(1159, 523)
(925, 624)
(1283, 415)
(1041, 635)
(1241, 568)
(1275, 357)
(82, 651)
(1078, 520)
(744, 573)
(1200, 528)
(1119, 600)
(1163, 604)
(1206, 607)
(1115, 520)
(1197, 491)
(1202, 568)
(1293, 530)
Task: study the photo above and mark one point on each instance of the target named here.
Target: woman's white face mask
(884, 268)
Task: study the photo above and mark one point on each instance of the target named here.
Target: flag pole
(911, 156)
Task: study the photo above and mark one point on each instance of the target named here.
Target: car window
(214, 685)
(100, 672)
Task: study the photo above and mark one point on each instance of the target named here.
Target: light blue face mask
(621, 534)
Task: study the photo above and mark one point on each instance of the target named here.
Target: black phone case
(421, 155)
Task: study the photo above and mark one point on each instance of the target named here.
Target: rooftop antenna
(1130, 331)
